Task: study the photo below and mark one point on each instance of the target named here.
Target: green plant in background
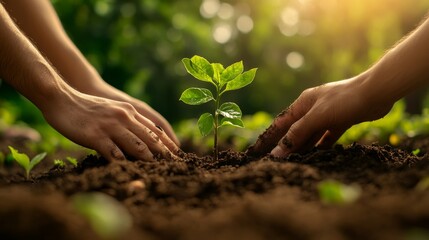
(334, 192)
(24, 161)
(224, 80)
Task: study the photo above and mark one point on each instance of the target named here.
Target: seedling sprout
(224, 80)
(24, 161)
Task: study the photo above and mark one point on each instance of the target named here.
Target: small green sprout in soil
(333, 192)
(224, 80)
(416, 152)
(24, 161)
(108, 217)
(423, 184)
(58, 163)
(72, 161)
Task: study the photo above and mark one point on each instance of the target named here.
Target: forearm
(54, 43)
(23, 67)
(403, 69)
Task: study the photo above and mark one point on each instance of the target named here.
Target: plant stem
(216, 122)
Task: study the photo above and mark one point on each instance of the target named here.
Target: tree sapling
(24, 161)
(224, 80)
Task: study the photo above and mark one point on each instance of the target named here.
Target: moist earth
(236, 197)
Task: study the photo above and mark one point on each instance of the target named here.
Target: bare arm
(112, 128)
(322, 114)
(53, 42)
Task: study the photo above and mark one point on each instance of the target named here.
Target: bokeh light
(209, 8)
(244, 24)
(295, 60)
(222, 33)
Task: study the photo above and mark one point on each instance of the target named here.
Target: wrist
(376, 96)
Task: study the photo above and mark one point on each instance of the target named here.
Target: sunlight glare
(209, 8)
(244, 24)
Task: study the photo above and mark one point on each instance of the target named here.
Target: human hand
(319, 117)
(102, 89)
(112, 128)
(147, 111)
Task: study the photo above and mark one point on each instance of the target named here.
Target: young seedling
(58, 163)
(72, 161)
(224, 80)
(24, 161)
(416, 151)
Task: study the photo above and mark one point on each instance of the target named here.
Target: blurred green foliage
(137, 45)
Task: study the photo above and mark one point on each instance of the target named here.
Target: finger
(170, 133)
(159, 132)
(280, 126)
(330, 138)
(109, 151)
(133, 145)
(153, 142)
(303, 133)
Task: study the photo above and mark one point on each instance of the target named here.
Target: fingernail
(277, 151)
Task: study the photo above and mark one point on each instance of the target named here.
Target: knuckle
(155, 135)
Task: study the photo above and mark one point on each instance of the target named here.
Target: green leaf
(416, 151)
(236, 122)
(217, 71)
(231, 72)
(206, 124)
(21, 158)
(241, 80)
(199, 67)
(230, 110)
(196, 96)
(37, 159)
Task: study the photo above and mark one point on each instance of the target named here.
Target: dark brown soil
(237, 197)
